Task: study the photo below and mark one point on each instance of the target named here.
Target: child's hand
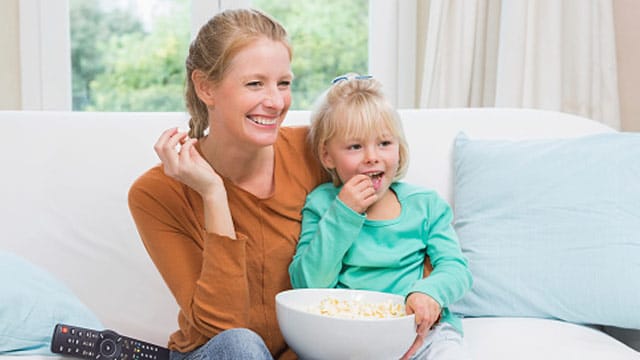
(358, 193)
(427, 313)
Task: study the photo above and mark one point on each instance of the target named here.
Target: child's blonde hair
(355, 107)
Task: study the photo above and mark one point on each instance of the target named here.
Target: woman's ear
(204, 87)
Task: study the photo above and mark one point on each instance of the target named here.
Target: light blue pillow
(551, 228)
(32, 302)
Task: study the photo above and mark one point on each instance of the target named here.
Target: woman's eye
(284, 84)
(254, 83)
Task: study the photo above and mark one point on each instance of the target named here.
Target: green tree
(90, 27)
(118, 66)
(144, 72)
(329, 38)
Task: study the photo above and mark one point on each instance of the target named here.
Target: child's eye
(386, 143)
(354, 147)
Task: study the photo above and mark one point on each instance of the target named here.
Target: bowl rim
(335, 318)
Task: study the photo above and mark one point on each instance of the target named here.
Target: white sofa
(64, 187)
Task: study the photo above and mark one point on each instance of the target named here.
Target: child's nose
(371, 155)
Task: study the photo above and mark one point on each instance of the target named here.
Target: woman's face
(253, 98)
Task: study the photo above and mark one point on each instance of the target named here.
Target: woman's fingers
(190, 159)
(162, 140)
(166, 148)
(185, 150)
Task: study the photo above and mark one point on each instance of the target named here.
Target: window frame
(46, 65)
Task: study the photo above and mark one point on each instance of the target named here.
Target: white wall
(10, 98)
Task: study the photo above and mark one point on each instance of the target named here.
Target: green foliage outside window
(329, 38)
(119, 66)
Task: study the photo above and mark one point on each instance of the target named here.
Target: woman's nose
(274, 99)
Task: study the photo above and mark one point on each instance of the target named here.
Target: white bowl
(313, 336)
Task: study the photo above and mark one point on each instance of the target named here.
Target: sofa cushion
(551, 228)
(536, 339)
(32, 302)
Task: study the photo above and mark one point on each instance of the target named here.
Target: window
(128, 55)
(329, 38)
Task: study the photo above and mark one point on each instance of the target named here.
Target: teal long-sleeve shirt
(339, 248)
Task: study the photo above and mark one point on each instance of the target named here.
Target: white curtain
(546, 54)
(459, 47)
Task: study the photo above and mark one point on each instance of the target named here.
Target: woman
(220, 217)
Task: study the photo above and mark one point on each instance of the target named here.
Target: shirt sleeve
(329, 228)
(450, 278)
(206, 273)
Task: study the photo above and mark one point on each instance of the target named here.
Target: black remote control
(102, 344)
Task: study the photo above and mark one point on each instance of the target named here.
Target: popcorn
(355, 309)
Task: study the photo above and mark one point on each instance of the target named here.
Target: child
(369, 231)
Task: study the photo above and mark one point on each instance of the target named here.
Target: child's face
(376, 156)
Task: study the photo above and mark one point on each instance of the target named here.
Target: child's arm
(329, 228)
(450, 278)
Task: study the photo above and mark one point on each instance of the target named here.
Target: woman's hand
(358, 193)
(181, 161)
(427, 313)
(184, 163)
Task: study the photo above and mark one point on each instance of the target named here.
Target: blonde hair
(355, 106)
(214, 48)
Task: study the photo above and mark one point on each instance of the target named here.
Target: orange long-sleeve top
(220, 283)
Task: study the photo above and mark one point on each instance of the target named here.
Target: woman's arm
(205, 269)
(190, 168)
(206, 273)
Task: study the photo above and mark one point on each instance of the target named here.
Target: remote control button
(108, 347)
(89, 344)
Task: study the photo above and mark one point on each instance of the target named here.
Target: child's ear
(204, 87)
(325, 158)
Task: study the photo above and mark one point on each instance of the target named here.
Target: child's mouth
(376, 180)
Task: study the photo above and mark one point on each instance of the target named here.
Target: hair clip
(350, 77)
